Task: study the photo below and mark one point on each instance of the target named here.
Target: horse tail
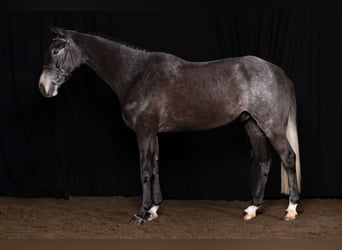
(292, 137)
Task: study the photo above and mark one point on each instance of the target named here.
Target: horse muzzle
(46, 86)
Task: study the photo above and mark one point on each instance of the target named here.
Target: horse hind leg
(288, 158)
(262, 162)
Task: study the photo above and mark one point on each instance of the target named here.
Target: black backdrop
(77, 143)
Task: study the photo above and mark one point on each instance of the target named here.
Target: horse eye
(55, 51)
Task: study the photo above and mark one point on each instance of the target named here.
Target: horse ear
(58, 31)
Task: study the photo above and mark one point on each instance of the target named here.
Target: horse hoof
(250, 212)
(136, 220)
(248, 217)
(152, 216)
(290, 215)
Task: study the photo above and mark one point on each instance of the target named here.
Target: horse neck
(115, 63)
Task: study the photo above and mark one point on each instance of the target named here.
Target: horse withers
(160, 92)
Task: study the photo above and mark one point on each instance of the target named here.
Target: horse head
(63, 57)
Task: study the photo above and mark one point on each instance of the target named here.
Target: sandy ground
(108, 218)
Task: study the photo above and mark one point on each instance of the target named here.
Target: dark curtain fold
(77, 143)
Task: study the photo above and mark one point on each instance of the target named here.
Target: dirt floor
(108, 218)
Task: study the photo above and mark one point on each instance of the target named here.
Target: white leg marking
(250, 212)
(292, 207)
(291, 212)
(153, 213)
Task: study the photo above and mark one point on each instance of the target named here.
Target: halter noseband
(61, 71)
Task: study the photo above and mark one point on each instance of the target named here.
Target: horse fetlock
(294, 198)
(157, 199)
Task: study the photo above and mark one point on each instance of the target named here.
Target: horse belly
(194, 116)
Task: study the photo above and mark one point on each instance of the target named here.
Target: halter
(59, 70)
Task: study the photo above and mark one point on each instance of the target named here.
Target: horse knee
(265, 167)
(146, 176)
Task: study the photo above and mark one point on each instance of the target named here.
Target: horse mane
(117, 41)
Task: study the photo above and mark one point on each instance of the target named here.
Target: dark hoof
(136, 220)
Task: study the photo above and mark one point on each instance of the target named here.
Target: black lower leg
(156, 191)
(146, 202)
(258, 188)
(289, 165)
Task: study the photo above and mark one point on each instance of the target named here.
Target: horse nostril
(42, 89)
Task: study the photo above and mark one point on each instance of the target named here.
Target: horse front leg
(146, 141)
(156, 191)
